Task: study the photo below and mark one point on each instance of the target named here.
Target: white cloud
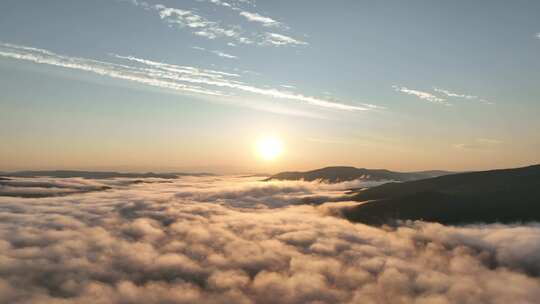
(538, 35)
(231, 4)
(203, 27)
(374, 107)
(205, 34)
(254, 17)
(224, 83)
(224, 55)
(182, 17)
(422, 95)
(221, 3)
(216, 52)
(450, 94)
(279, 40)
(464, 96)
(174, 77)
(102, 68)
(198, 25)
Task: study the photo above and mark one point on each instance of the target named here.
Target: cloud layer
(186, 242)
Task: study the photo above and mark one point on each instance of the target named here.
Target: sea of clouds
(239, 240)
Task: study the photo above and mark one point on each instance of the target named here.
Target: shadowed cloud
(185, 242)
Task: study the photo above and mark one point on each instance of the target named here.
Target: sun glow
(269, 148)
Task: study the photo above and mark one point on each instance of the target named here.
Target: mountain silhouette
(509, 195)
(343, 174)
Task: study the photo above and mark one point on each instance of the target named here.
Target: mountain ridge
(502, 195)
(335, 174)
(95, 174)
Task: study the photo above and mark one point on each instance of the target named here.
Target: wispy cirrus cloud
(224, 55)
(280, 40)
(157, 74)
(237, 85)
(431, 97)
(373, 107)
(463, 96)
(105, 68)
(231, 4)
(216, 52)
(450, 94)
(422, 95)
(201, 26)
(221, 3)
(254, 17)
(194, 22)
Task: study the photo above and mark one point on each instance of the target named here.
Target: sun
(269, 148)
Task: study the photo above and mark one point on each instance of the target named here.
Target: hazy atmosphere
(269, 151)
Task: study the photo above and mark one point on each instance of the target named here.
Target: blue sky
(158, 85)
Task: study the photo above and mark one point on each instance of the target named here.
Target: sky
(192, 85)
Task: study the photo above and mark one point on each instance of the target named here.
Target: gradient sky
(191, 85)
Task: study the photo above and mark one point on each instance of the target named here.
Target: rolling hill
(509, 195)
